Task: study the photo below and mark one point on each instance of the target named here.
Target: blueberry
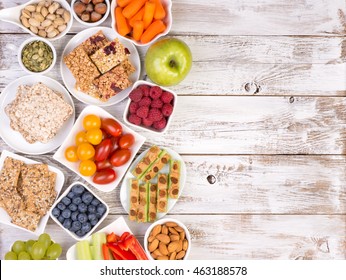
(101, 209)
(61, 219)
(71, 195)
(77, 200)
(95, 202)
(82, 208)
(82, 217)
(78, 189)
(66, 200)
(80, 233)
(61, 206)
(66, 213)
(91, 209)
(67, 223)
(74, 216)
(86, 227)
(92, 217)
(73, 207)
(87, 197)
(94, 222)
(56, 212)
(76, 225)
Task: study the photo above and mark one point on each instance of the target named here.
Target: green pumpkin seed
(37, 56)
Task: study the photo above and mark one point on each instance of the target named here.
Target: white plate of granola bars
(36, 114)
(159, 200)
(28, 189)
(98, 67)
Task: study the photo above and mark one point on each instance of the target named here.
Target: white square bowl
(65, 194)
(60, 179)
(70, 141)
(149, 129)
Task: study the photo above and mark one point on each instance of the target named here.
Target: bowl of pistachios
(36, 55)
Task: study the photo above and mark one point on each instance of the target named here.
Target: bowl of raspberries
(150, 107)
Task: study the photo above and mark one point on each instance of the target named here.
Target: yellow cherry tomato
(91, 121)
(87, 167)
(81, 138)
(85, 151)
(71, 154)
(94, 136)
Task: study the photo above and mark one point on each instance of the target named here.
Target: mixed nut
(46, 18)
(37, 56)
(90, 10)
(168, 242)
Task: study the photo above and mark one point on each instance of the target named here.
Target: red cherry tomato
(105, 176)
(115, 141)
(112, 127)
(105, 135)
(103, 150)
(120, 157)
(103, 164)
(126, 141)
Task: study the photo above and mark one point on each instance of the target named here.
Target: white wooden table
(263, 111)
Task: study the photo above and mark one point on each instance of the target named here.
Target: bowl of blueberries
(79, 211)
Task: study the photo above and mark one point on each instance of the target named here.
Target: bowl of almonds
(167, 239)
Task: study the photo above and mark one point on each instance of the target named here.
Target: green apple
(168, 61)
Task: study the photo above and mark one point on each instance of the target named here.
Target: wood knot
(291, 99)
(252, 87)
(211, 179)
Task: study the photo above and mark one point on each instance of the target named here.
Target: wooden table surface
(262, 110)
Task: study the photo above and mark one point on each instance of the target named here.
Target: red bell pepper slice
(125, 255)
(112, 237)
(131, 243)
(124, 235)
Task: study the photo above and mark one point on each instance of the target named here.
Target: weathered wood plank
(247, 17)
(235, 236)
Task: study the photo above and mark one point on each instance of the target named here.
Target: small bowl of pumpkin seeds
(36, 55)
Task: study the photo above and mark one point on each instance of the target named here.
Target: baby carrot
(133, 7)
(155, 28)
(122, 26)
(138, 28)
(160, 11)
(149, 10)
(123, 3)
(138, 16)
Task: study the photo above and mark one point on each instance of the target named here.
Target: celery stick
(98, 239)
(83, 250)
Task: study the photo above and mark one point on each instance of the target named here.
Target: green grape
(24, 256)
(18, 247)
(45, 239)
(54, 251)
(11, 256)
(28, 245)
(38, 251)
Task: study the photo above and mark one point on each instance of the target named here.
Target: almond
(179, 229)
(163, 238)
(180, 255)
(163, 248)
(157, 253)
(174, 237)
(156, 230)
(185, 244)
(172, 247)
(180, 246)
(172, 256)
(151, 238)
(162, 258)
(153, 245)
(164, 229)
(172, 230)
(171, 224)
(182, 235)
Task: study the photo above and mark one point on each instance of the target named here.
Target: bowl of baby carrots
(141, 21)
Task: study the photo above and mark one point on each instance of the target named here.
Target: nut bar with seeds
(146, 162)
(94, 43)
(157, 166)
(174, 179)
(142, 214)
(128, 67)
(112, 82)
(134, 195)
(162, 198)
(152, 203)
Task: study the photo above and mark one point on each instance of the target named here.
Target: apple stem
(172, 63)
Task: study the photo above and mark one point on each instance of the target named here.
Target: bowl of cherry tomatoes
(99, 148)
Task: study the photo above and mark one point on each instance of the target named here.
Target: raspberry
(133, 107)
(156, 103)
(147, 122)
(145, 101)
(160, 124)
(155, 115)
(142, 112)
(155, 92)
(167, 110)
(167, 97)
(145, 90)
(135, 119)
(136, 95)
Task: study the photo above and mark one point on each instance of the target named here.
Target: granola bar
(95, 42)
(128, 67)
(109, 56)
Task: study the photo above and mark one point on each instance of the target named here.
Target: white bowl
(167, 4)
(94, 227)
(26, 42)
(163, 221)
(91, 24)
(149, 129)
(12, 15)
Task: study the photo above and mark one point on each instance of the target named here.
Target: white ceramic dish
(32, 39)
(160, 222)
(12, 15)
(119, 226)
(150, 129)
(60, 179)
(13, 138)
(70, 81)
(91, 24)
(125, 189)
(94, 227)
(70, 141)
(168, 20)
